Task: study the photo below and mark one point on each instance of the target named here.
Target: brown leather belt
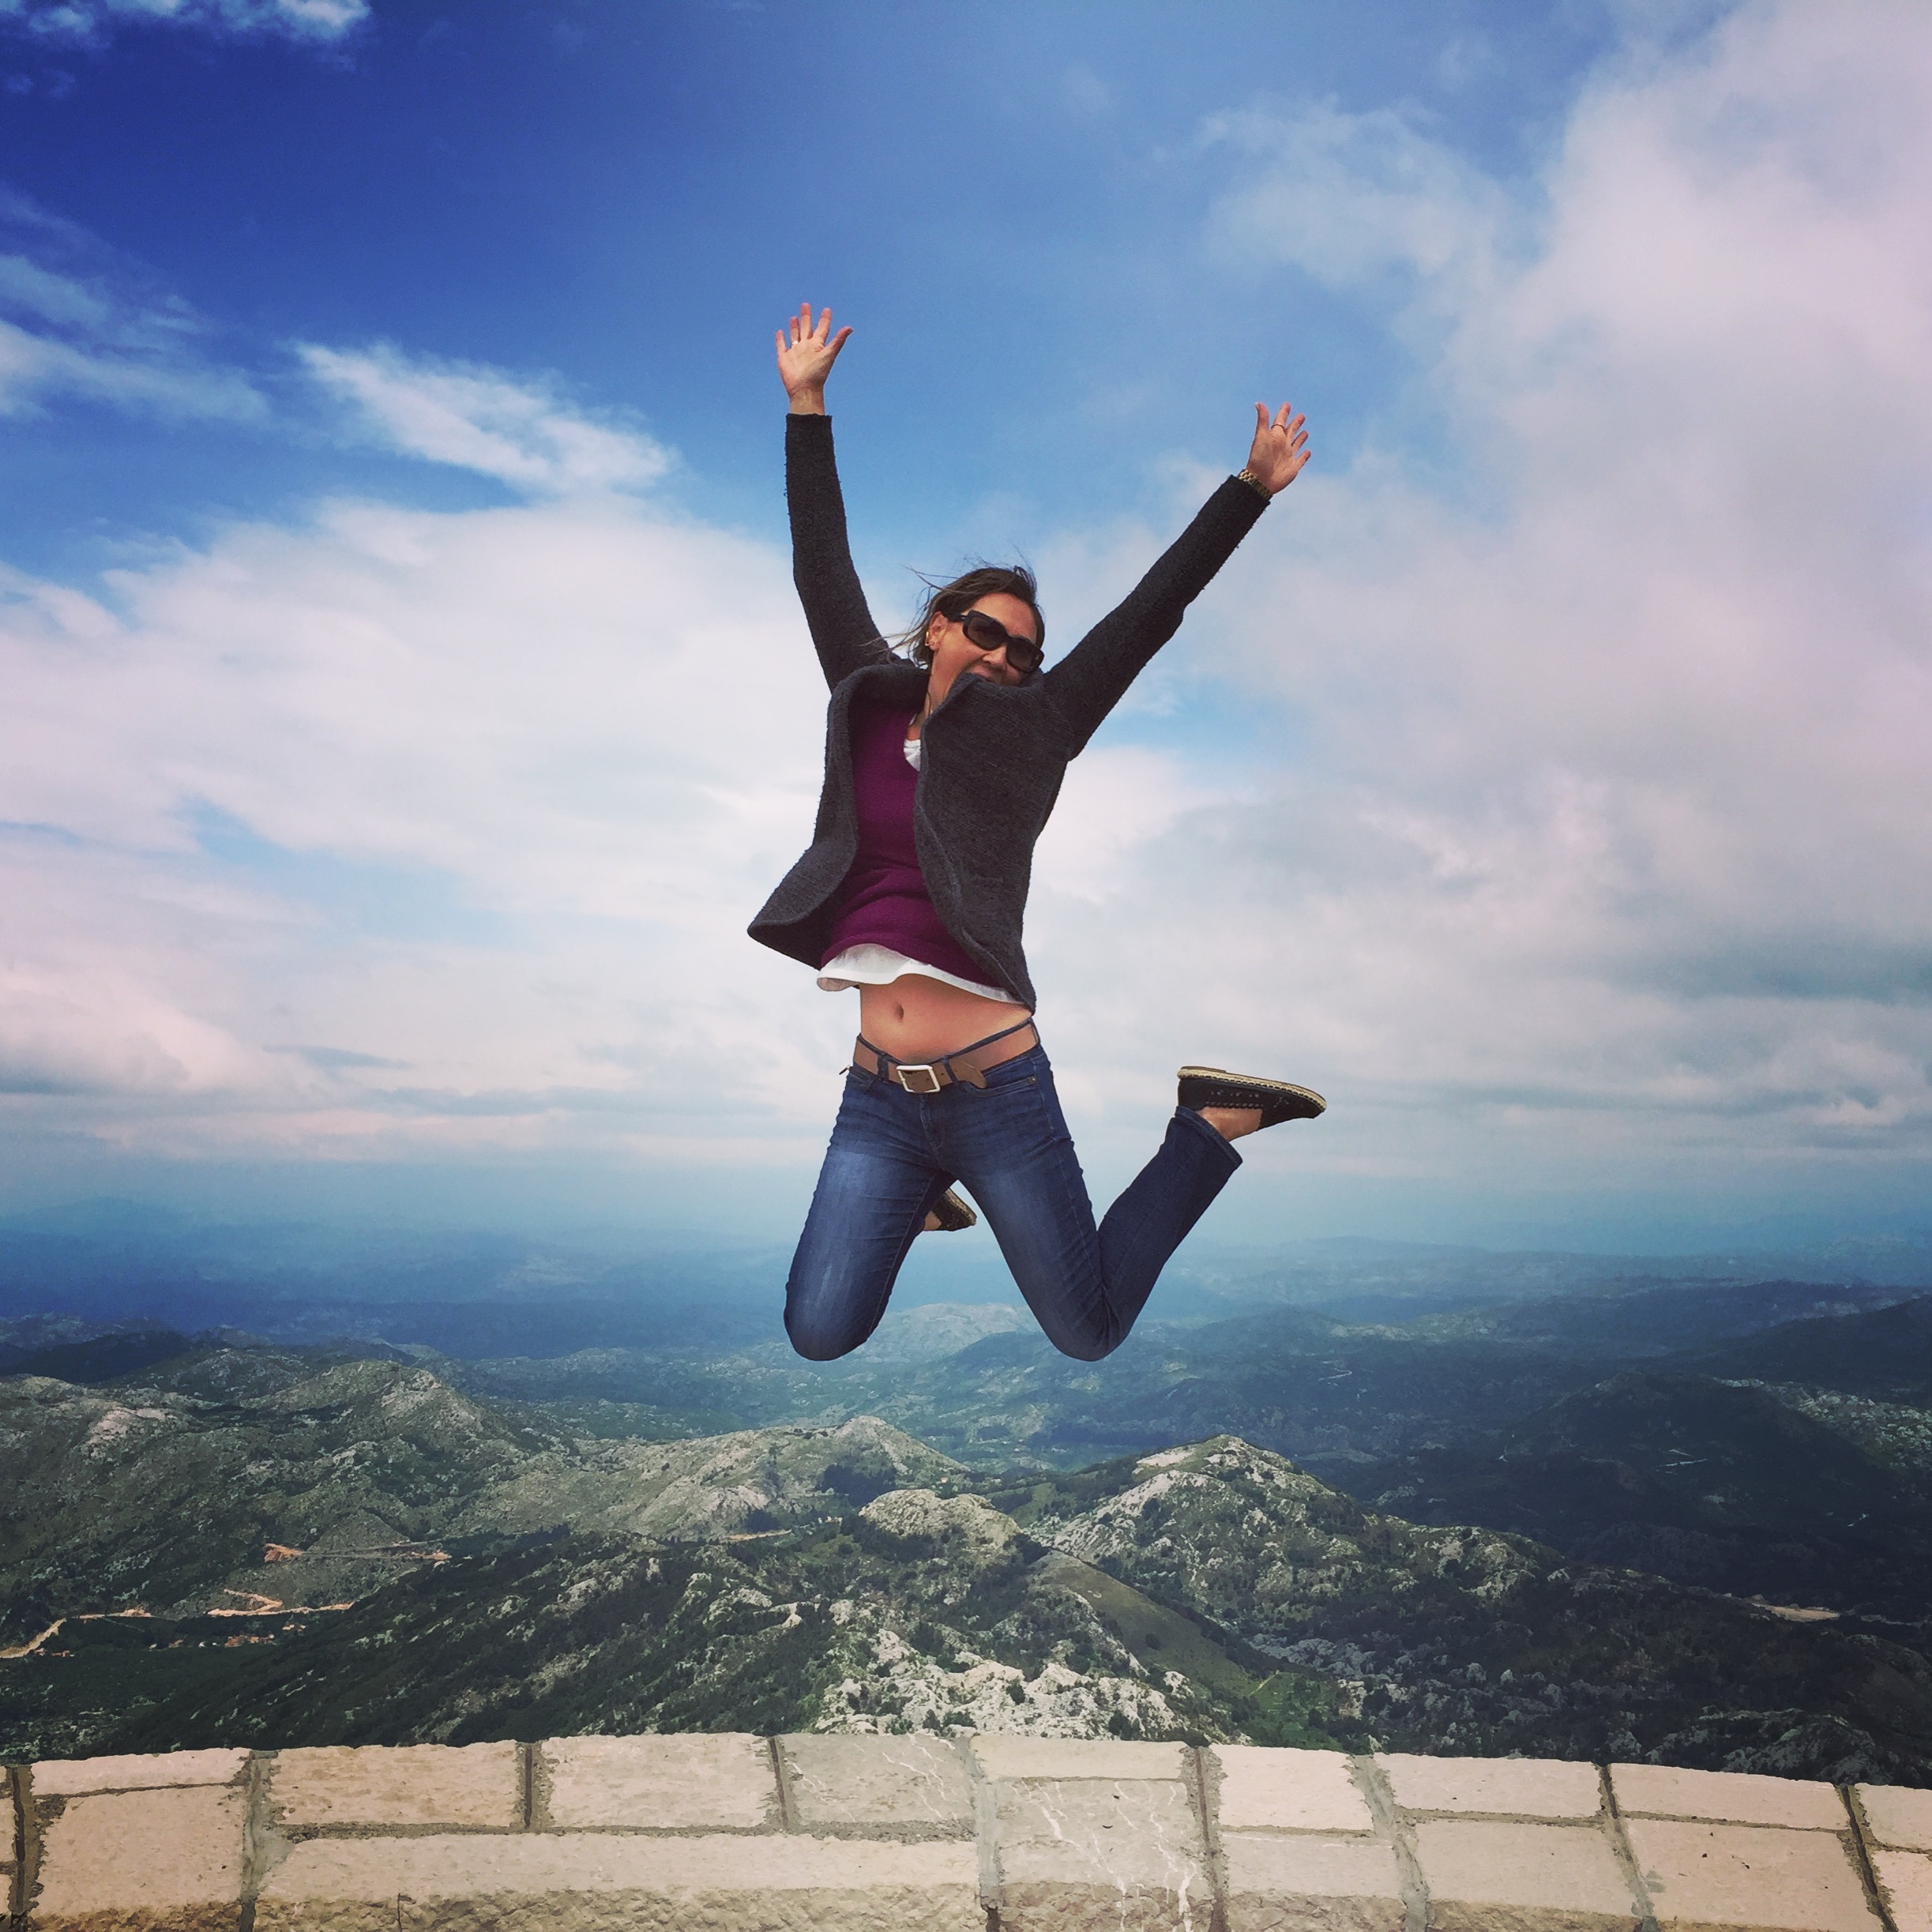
(968, 1067)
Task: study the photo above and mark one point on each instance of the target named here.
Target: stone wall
(989, 1833)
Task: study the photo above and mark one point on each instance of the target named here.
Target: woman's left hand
(1281, 450)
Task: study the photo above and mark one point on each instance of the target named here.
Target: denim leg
(1010, 1148)
(874, 1191)
(1008, 1143)
(1157, 1210)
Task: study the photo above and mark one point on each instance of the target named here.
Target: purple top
(884, 901)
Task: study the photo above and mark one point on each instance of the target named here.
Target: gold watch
(1255, 483)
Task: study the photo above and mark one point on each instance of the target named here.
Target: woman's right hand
(805, 359)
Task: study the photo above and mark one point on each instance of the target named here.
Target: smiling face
(955, 656)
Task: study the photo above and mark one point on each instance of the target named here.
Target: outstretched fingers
(806, 351)
(1281, 450)
(804, 330)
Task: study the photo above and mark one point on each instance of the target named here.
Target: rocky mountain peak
(968, 1528)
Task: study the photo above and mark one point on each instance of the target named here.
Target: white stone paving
(731, 1832)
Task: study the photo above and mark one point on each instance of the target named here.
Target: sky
(405, 706)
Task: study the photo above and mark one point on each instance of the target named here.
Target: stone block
(1003, 1756)
(582, 1882)
(1262, 1789)
(1125, 1853)
(410, 1784)
(915, 1783)
(1520, 1788)
(1316, 1884)
(721, 1782)
(1905, 1884)
(1727, 1797)
(1897, 1815)
(1493, 1875)
(141, 1861)
(1701, 1876)
(67, 1777)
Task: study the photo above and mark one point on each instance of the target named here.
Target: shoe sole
(962, 1215)
(1310, 1103)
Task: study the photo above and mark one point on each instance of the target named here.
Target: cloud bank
(1619, 834)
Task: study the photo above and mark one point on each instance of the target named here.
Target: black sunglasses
(988, 633)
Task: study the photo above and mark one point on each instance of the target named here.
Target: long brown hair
(956, 599)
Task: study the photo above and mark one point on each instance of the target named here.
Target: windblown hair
(956, 599)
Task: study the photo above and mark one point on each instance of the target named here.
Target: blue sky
(410, 708)
(1007, 198)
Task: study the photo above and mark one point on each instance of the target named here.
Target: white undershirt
(876, 965)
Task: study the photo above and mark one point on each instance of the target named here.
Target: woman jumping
(941, 766)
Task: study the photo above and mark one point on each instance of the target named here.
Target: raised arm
(1091, 678)
(843, 631)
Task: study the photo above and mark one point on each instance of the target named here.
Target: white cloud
(90, 22)
(91, 328)
(27, 287)
(35, 367)
(509, 785)
(1607, 854)
(522, 432)
(1347, 198)
(1116, 800)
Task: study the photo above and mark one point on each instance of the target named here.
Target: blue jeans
(894, 1153)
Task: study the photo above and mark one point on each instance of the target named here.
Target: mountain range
(352, 1550)
(1684, 1519)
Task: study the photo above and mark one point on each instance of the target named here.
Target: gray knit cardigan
(994, 754)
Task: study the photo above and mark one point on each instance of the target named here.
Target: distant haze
(502, 1291)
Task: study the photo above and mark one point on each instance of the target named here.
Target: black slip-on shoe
(1278, 1100)
(953, 1212)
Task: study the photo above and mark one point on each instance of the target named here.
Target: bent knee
(821, 1341)
(816, 1348)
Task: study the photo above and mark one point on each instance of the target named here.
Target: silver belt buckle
(928, 1076)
